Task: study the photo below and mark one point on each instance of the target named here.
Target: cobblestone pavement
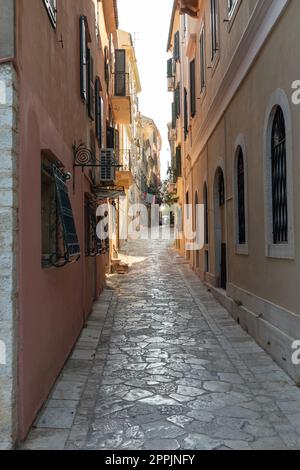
(161, 365)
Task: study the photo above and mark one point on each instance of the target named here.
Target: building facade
(237, 128)
(54, 116)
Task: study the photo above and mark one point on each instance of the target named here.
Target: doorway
(220, 229)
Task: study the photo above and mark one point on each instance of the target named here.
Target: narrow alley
(161, 365)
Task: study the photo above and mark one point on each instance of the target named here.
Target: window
(176, 46)
(99, 124)
(279, 179)
(51, 9)
(241, 212)
(205, 202)
(91, 85)
(93, 245)
(83, 59)
(214, 27)
(195, 213)
(173, 116)
(178, 161)
(186, 122)
(202, 60)
(231, 6)
(192, 88)
(177, 100)
(59, 237)
(221, 188)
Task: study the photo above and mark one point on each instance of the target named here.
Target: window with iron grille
(221, 189)
(279, 179)
(202, 60)
(214, 27)
(51, 9)
(59, 237)
(241, 197)
(192, 88)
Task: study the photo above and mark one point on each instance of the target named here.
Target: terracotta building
(232, 69)
(55, 124)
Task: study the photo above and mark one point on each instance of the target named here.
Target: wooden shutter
(170, 72)
(98, 112)
(177, 100)
(91, 91)
(186, 123)
(83, 59)
(117, 146)
(192, 88)
(173, 116)
(66, 215)
(178, 160)
(107, 171)
(176, 46)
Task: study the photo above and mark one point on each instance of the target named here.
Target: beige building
(232, 71)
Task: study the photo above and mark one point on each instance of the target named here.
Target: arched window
(241, 197)
(221, 189)
(279, 179)
(205, 202)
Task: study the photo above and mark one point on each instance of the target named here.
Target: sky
(148, 22)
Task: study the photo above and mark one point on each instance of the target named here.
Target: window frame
(240, 146)
(214, 25)
(202, 59)
(284, 250)
(52, 11)
(193, 97)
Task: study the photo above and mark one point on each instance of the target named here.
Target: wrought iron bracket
(85, 158)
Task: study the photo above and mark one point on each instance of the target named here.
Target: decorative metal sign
(84, 157)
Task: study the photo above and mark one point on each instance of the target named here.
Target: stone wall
(8, 252)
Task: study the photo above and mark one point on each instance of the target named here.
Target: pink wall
(53, 303)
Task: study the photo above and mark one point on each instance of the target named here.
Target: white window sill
(242, 249)
(283, 251)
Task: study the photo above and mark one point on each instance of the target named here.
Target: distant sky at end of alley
(148, 22)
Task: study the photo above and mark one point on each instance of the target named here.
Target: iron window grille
(241, 197)
(214, 27)
(93, 245)
(221, 189)
(202, 60)
(51, 10)
(279, 179)
(60, 241)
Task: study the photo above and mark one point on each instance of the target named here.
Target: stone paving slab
(161, 365)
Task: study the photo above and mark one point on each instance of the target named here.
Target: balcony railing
(120, 84)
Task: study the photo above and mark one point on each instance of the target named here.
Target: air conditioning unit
(107, 170)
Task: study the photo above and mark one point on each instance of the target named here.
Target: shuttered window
(173, 116)
(176, 46)
(51, 9)
(202, 60)
(110, 137)
(107, 171)
(214, 27)
(83, 59)
(178, 161)
(98, 112)
(192, 88)
(177, 100)
(170, 68)
(91, 89)
(186, 119)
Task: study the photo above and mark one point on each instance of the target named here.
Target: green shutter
(170, 73)
(91, 94)
(192, 88)
(173, 116)
(176, 46)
